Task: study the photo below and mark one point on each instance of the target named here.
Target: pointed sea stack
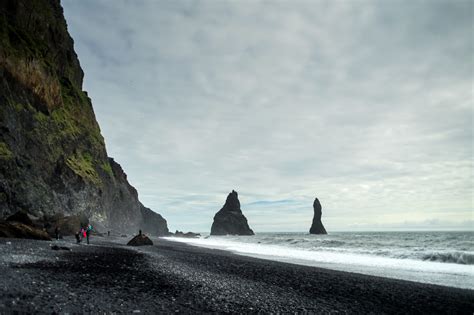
(317, 227)
(230, 220)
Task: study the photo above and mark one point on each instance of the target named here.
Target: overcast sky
(367, 105)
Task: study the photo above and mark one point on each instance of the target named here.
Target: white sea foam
(367, 259)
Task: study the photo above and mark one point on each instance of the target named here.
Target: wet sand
(169, 277)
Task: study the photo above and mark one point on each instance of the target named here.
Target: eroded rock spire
(317, 227)
(229, 220)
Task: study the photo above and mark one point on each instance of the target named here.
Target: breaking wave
(462, 258)
(443, 258)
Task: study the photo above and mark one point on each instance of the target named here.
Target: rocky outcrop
(153, 223)
(317, 227)
(23, 225)
(52, 154)
(19, 230)
(140, 240)
(186, 235)
(21, 217)
(230, 220)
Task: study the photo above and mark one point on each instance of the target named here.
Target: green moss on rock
(40, 117)
(18, 107)
(83, 165)
(5, 153)
(108, 169)
(68, 127)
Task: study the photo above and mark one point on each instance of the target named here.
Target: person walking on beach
(82, 232)
(56, 232)
(78, 237)
(88, 232)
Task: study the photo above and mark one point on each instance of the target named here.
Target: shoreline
(429, 272)
(108, 276)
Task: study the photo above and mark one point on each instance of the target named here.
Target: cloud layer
(366, 105)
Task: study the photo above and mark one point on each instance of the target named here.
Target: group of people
(84, 233)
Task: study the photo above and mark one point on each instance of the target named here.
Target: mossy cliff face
(52, 154)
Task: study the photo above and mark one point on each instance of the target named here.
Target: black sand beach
(173, 277)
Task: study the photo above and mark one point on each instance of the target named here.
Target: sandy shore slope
(168, 277)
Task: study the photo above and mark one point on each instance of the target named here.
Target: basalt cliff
(230, 220)
(53, 159)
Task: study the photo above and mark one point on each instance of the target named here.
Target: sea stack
(317, 227)
(230, 220)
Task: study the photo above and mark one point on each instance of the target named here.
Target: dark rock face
(317, 227)
(68, 225)
(230, 220)
(52, 154)
(20, 230)
(140, 240)
(153, 223)
(21, 217)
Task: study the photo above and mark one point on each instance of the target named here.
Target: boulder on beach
(140, 240)
(230, 220)
(21, 217)
(56, 247)
(19, 230)
(317, 227)
(22, 225)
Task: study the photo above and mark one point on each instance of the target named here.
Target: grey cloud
(367, 105)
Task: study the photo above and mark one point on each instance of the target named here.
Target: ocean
(443, 258)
